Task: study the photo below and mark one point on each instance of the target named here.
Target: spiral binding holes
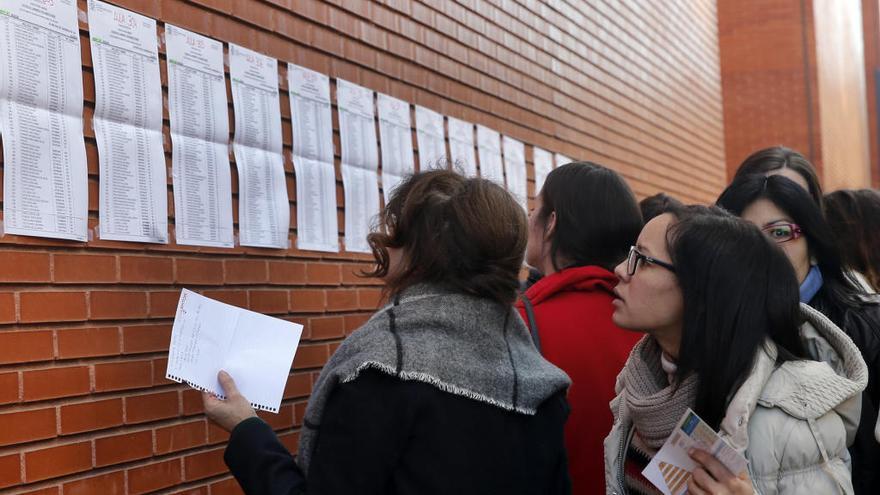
(222, 397)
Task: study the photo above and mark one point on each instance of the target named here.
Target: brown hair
(778, 157)
(854, 217)
(465, 234)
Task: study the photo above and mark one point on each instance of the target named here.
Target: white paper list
(543, 165)
(255, 349)
(431, 139)
(263, 206)
(461, 147)
(316, 226)
(45, 182)
(128, 125)
(562, 159)
(515, 169)
(199, 139)
(489, 149)
(360, 162)
(396, 137)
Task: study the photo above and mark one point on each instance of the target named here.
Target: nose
(620, 271)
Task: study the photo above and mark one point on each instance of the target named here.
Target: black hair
(739, 290)
(597, 217)
(854, 217)
(797, 204)
(779, 157)
(657, 205)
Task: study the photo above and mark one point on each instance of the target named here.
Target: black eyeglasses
(632, 262)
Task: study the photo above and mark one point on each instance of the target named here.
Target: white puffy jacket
(792, 422)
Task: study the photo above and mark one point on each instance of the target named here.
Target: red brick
(123, 375)
(164, 303)
(20, 266)
(146, 338)
(180, 437)
(116, 449)
(84, 268)
(57, 461)
(351, 275)
(55, 382)
(108, 305)
(342, 300)
(268, 301)
(153, 477)
(146, 270)
(310, 356)
(22, 347)
(287, 272)
(7, 307)
(226, 486)
(233, 297)
(370, 298)
(323, 274)
(298, 385)
(216, 434)
(151, 407)
(30, 425)
(328, 327)
(299, 412)
(105, 484)
(160, 367)
(89, 416)
(52, 490)
(192, 402)
(199, 490)
(88, 342)
(245, 272)
(198, 271)
(204, 464)
(52, 306)
(353, 322)
(307, 301)
(283, 419)
(290, 440)
(10, 470)
(9, 387)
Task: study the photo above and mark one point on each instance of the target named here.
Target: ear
(550, 226)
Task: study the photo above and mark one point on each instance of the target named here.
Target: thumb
(227, 383)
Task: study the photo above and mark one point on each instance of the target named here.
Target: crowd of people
(758, 313)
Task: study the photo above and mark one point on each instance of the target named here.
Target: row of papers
(46, 182)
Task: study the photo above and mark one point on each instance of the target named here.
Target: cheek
(649, 306)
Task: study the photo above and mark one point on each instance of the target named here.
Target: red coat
(573, 314)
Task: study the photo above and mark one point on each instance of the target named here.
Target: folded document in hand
(255, 349)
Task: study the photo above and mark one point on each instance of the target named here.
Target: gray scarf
(655, 405)
(461, 344)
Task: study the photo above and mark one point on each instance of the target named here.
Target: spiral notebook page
(255, 349)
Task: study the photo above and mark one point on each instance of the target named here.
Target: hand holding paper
(227, 413)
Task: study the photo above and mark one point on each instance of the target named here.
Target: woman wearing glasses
(727, 338)
(787, 214)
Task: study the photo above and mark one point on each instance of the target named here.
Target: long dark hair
(797, 204)
(597, 216)
(854, 216)
(739, 290)
(465, 234)
(779, 157)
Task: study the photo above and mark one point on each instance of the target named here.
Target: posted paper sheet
(255, 349)
(133, 198)
(489, 146)
(316, 226)
(671, 468)
(199, 139)
(515, 169)
(396, 135)
(45, 182)
(543, 165)
(263, 206)
(360, 162)
(562, 159)
(431, 139)
(461, 147)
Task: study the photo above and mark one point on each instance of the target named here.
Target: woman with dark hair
(779, 160)
(658, 204)
(584, 220)
(787, 215)
(442, 390)
(854, 217)
(726, 337)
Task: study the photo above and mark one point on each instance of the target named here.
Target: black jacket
(862, 324)
(382, 435)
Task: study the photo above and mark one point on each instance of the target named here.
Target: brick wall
(84, 327)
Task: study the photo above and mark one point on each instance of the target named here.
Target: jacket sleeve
(260, 462)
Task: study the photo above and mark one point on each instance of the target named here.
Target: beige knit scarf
(654, 404)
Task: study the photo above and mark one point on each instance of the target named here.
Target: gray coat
(792, 422)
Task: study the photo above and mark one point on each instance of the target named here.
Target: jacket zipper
(625, 439)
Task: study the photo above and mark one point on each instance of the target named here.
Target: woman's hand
(227, 413)
(713, 478)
